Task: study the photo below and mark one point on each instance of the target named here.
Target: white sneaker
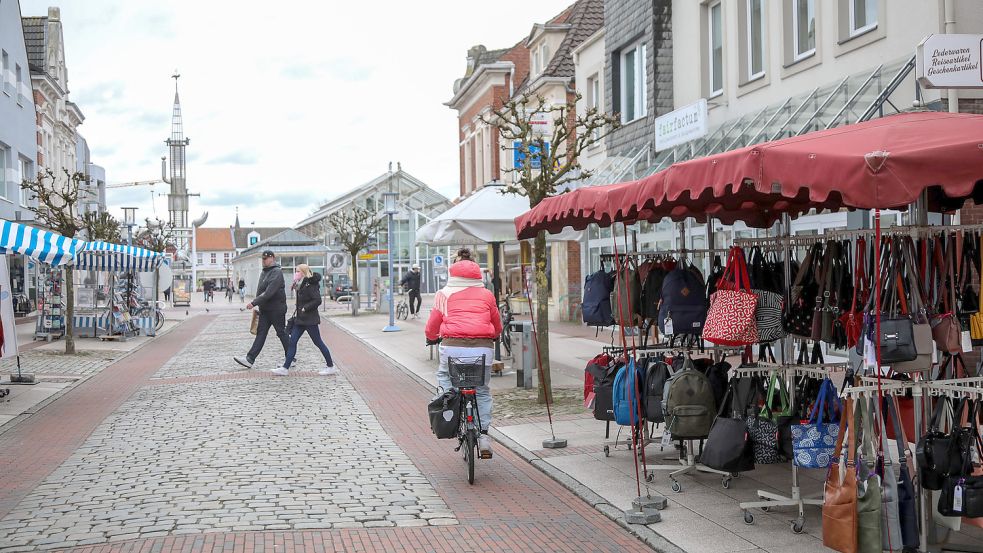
(328, 371)
(279, 371)
(484, 446)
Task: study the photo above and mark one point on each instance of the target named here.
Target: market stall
(913, 296)
(117, 302)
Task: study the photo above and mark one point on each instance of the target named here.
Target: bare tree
(58, 209)
(547, 140)
(101, 226)
(356, 228)
(157, 236)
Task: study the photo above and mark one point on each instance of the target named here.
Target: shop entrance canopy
(884, 163)
(42, 245)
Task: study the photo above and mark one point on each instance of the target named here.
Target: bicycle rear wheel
(158, 320)
(470, 452)
(402, 311)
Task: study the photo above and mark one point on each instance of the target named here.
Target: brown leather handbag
(840, 494)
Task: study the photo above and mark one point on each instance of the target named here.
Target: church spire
(237, 217)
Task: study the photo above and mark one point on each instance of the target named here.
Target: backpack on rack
(626, 294)
(626, 395)
(690, 405)
(656, 376)
(596, 306)
(684, 302)
(652, 289)
(603, 382)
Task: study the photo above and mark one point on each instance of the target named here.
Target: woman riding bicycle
(465, 321)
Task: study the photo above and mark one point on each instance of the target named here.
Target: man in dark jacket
(271, 298)
(411, 281)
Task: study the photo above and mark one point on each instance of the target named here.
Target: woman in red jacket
(466, 319)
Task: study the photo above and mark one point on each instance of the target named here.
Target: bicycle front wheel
(402, 312)
(159, 320)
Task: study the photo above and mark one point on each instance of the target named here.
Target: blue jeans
(314, 331)
(482, 393)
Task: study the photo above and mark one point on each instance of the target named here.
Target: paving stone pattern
(229, 455)
(56, 363)
(211, 352)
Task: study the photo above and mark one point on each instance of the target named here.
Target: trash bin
(523, 353)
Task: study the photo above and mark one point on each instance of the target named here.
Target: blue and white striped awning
(104, 256)
(45, 246)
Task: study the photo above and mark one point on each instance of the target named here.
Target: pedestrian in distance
(271, 299)
(411, 282)
(465, 321)
(167, 294)
(229, 293)
(306, 319)
(242, 290)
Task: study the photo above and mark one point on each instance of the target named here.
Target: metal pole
(392, 281)
(194, 260)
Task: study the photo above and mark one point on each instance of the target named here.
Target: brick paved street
(193, 454)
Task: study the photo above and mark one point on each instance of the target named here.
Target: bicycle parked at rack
(467, 373)
(146, 310)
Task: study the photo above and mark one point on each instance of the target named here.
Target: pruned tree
(58, 210)
(547, 140)
(356, 228)
(157, 236)
(101, 226)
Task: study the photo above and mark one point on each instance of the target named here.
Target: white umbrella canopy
(484, 217)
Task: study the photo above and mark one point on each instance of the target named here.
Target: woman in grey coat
(307, 320)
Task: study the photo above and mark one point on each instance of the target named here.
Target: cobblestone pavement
(56, 363)
(204, 457)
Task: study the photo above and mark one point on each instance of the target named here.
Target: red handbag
(853, 320)
(731, 319)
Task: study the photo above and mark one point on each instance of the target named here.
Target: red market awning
(885, 163)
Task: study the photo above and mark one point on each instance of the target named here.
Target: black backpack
(684, 301)
(656, 376)
(652, 292)
(604, 389)
(596, 306)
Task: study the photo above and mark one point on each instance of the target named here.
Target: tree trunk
(354, 267)
(69, 291)
(542, 316)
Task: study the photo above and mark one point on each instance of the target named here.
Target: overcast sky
(286, 103)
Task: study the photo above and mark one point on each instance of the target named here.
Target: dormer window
(540, 58)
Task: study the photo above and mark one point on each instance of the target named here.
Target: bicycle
(145, 310)
(402, 308)
(505, 313)
(467, 373)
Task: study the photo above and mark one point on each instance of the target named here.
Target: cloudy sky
(286, 103)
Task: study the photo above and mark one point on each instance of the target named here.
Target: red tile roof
(214, 239)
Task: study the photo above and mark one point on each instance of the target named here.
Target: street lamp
(130, 221)
(194, 249)
(389, 206)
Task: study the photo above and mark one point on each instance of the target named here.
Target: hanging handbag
(891, 539)
(853, 319)
(945, 326)
(801, 309)
(918, 312)
(840, 491)
(764, 437)
(731, 317)
(962, 493)
(768, 316)
(976, 320)
(940, 454)
(869, 503)
(822, 318)
(906, 499)
(897, 333)
(813, 442)
(728, 441)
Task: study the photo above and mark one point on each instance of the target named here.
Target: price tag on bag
(666, 438)
(957, 498)
(870, 354)
(967, 341)
(668, 326)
